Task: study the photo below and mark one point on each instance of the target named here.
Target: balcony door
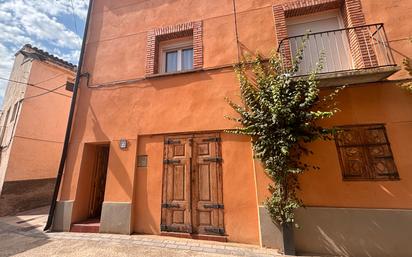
(324, 34)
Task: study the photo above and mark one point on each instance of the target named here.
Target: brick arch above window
(351, 11)
(307, 7)
(155, 36)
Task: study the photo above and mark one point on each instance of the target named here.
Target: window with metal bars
(365, 153)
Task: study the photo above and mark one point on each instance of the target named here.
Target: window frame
(322, 16)
(14, 112)
(178, 45)
(316, 16)
(371, 174)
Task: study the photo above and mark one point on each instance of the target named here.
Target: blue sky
(47, 24)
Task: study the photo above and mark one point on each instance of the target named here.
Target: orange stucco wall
(395, 14)
(369, 104)
(375, 103)
(239, 197)
(116, 50)
(41, 124)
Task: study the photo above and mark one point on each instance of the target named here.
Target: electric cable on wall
(5, 147)
(35, 85)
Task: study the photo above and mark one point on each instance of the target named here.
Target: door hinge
(217, 231)
(168, 228)
(171, 141)
(212, 139)
(171, 161)
(170, 205)
(213, 159)
(213, 206)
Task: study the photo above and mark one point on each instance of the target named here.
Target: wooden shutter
(176, 213)
(353, 158)
(377, 148)
(207, 193)
(365, 153)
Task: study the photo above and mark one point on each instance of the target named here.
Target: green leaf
(280, 113)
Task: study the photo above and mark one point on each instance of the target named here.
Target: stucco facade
(33, 127)
(122, 98)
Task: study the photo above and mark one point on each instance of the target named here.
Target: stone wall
(18, 196)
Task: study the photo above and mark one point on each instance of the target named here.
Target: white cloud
(6, 64)
(56, 7)
(71, 55)
(37, 23)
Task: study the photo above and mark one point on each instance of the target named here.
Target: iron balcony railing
(353, 48)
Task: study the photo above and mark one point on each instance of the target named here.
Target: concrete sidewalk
(22, 235)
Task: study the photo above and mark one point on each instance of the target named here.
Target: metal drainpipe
(69, 124)
(236, 31)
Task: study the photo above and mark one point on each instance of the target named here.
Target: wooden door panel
(176, 211)
(98, 181)
(179, 182)
(207, 187)
(205, 193)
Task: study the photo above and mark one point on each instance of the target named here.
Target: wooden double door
(192, 200)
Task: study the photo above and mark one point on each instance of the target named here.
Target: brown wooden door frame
(203, 211)
(98, 180)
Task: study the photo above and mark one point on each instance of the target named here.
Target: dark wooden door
(207, 189)
(192, 185)
(176, 211)
(98, 181)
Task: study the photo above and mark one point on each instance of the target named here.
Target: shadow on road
(23, 232)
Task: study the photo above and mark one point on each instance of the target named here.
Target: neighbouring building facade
(33, 122)
(148, 152)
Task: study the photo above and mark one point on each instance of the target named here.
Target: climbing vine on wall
(280, 113)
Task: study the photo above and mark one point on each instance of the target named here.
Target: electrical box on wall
(142, 161)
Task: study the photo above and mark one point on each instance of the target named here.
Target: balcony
(353, 55)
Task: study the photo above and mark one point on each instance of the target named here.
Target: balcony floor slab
(360, 76)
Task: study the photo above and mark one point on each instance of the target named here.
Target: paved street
(22, 235)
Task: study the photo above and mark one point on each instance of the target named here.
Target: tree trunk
(288, 239)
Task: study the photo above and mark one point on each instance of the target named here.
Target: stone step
(88, 226)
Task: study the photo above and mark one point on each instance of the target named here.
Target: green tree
(408, 67)
(280, 112)
(407, 62)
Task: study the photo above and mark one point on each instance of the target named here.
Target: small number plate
(142, 161)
